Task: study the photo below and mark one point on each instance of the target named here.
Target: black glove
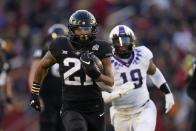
(34, 102)
(89, 65)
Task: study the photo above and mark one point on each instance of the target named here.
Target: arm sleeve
(157, 78)
(191, 90)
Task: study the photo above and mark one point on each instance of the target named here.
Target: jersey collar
(127, 64)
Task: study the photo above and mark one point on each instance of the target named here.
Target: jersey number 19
(136, 77)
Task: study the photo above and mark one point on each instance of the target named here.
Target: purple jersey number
(123, 75)
(136, 77)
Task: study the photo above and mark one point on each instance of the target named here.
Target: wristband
(35, 88)
(165, 88)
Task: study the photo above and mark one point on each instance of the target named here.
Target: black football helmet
(57, 30)
(123, 40)
(83, 21)
(53, 32)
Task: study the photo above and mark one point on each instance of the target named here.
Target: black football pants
(75, 121)
(50, 119)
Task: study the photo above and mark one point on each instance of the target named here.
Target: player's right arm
(41, 71)
(191, 90)
(46, 62)
(33, 67)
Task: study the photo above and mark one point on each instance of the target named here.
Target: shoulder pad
(144, 50)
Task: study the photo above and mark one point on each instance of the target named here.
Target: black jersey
(77, 86)
(51, 88)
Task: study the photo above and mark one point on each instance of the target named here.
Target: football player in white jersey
(134, 111)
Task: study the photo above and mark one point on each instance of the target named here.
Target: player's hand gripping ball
(98, 63)
(91, 64)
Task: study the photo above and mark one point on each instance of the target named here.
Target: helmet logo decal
(64, 52)
(95, 47)
(121, 31)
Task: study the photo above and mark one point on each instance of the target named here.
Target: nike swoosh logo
(101, 114)
(85, 62)
(32, 101)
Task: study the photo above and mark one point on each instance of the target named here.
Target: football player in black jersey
(51, 100)
(191, 90)
(5, 86)
(83, 106)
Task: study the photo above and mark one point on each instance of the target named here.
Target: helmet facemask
(123, 45)
(82, 36)
(123, 40)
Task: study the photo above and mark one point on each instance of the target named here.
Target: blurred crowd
(167, 27)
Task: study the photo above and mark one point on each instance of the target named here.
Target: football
(98, 63)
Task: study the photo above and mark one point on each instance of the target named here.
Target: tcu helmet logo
(95, 47)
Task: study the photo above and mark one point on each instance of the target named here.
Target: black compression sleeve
(165, 88)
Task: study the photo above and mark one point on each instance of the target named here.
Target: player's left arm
(107, 77)
(159, 80)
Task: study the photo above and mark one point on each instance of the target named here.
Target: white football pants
(145, 120)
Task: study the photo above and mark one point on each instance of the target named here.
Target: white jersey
(133, 69)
